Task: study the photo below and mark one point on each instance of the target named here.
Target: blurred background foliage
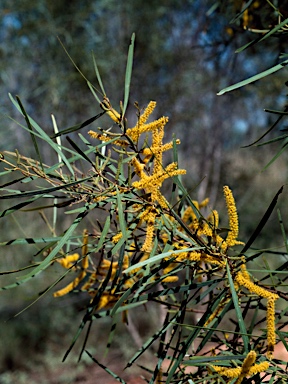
(184, 55)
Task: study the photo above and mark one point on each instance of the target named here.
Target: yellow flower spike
(157, 195)
(117, 237)
(243, 278)
(194, 256)
(170, 279)
(219, 308)
(157, 145)
(205, 230)
(105, 264)
(138, 167)
(147, 153)
(70, 286)
(271, 337)
(167, 146)
(136, 131)
(106, 299)
(115, 116)
(157, 179)
(144, 216)
(257, 368)
(149, 232)
(147, 112)
(247, 364)
(68, 261)
(233, 218)
(85, 260)
(188, 214)
(196, 204)
(212, 260)
(253, 288)
(125, 263)
(88, 285)
(244, 271)
(204, 203)
(232, 373)
(95, 135)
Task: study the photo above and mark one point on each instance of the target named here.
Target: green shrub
(129, 249)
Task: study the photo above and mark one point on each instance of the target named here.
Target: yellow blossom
(139, 167)
(257, 368)
(271, 337)
(157, 145)
(243, 278)
(170, 279)
(120, 143)
(168, 146)
(189, 214)
(106, 299)
(247, 369)
(204, 229)
(158, 178)
(253, 288)
(147, 112)
(233, 218)
(136, 131)
(232, 373)
(218, 309)
(85, 261)
(117, 237)
(204, 203)
(150, 220)
(212, 260)
(68, 261)
(244, 271)
(194, 256)
(70, 286)
(247, 364)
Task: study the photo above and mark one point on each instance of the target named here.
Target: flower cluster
(248, 368)
(144, 216)
(147, 164)
(148, 168)
(243, 279)
(207, 229)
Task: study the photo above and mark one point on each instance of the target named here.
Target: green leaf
(44, 191)
(31, 131)
(254, 78)
(78, 126)
(91, 87)
(116, 377)
(195, 360)
(45, 137)
(98, 75)
(282, 230)
(122, 222)
(35, 240)
(277, 155)
(160, 257)
(150, 341)
(128, 73)
(238, 310)
(18, 206)
(47, 261)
